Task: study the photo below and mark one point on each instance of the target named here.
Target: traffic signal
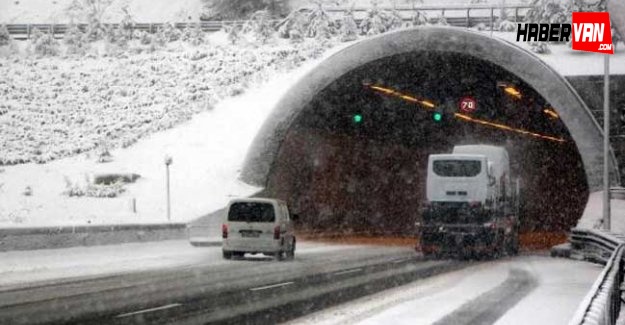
(438, 115)
(357, 118)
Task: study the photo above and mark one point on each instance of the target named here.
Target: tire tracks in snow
(491, 305)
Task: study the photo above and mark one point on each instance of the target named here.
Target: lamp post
(168, 161)
(606, 142)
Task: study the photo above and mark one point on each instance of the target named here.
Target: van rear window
(251, 212)
(457, 168)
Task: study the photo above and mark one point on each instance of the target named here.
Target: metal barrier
(602, 304)
(458, 16)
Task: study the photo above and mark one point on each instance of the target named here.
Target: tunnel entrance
(349, 157)
(355, 158)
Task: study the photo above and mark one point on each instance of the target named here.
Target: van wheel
(227, 255)
(290, 254)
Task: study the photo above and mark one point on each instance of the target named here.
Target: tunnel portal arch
(584, 130)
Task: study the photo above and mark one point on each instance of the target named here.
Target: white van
(258, 225)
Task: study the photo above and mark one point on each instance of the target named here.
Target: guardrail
(458, 16)
(70, 236)
(602, 304)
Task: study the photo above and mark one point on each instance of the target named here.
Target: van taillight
(276, 232)
(475, 204)
(224, 231)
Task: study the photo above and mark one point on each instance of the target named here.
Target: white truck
(472, 204)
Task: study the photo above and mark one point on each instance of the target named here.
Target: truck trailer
(472, 206)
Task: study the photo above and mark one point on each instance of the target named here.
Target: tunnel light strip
(551, 113)
(506, 127)
(405, 97)
(464, 117)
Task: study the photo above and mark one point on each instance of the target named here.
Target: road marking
(148, 310)
(347, 271)
(400, 260)
(272, 286)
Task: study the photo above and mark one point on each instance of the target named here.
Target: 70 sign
(467, 104)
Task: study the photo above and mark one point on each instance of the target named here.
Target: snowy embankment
(553, 301)
(593, 214)
(207, 154)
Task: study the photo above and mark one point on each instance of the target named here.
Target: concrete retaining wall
(68, 236)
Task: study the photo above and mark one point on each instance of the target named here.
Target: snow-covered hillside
(56, 107)
(207, 151)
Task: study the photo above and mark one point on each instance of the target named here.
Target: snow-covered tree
(320, 24)
(419, 18)
(74, 11)
(547, 11)
(294, 26)
(242, 9)
(44, 43)
(167, 33)
(127, 25)
(5, 37)
(349, 28)
(441, 21)
(375, 20)
(234, 33)
(260, 26)
(394, 20)
(74, 38)
(144, 37)
(94, 10)
(193, 34)
(539, 47)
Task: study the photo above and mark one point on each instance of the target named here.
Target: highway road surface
(254, 289)
(172, 282)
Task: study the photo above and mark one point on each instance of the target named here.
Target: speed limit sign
(467, 104)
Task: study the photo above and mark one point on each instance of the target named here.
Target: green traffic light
(357, 118)
(437, 116)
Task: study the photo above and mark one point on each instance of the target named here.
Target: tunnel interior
(355, 159)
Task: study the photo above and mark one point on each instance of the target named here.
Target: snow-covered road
(553, 288)
(49, 265)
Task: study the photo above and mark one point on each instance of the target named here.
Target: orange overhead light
(551, 113)
(506, 127)
(391, 92)
(509, 89)
(465, 117)
(512, 92)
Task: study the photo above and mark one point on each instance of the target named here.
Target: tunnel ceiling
(440, 78)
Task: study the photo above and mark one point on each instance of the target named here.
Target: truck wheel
(227, 255)
(514, 250)
(290, 254)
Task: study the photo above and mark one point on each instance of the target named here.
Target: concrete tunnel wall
(546, 81)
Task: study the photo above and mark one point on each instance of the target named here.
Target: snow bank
(593, 214)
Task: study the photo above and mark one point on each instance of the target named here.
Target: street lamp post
(606, 142)
(168, 161)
